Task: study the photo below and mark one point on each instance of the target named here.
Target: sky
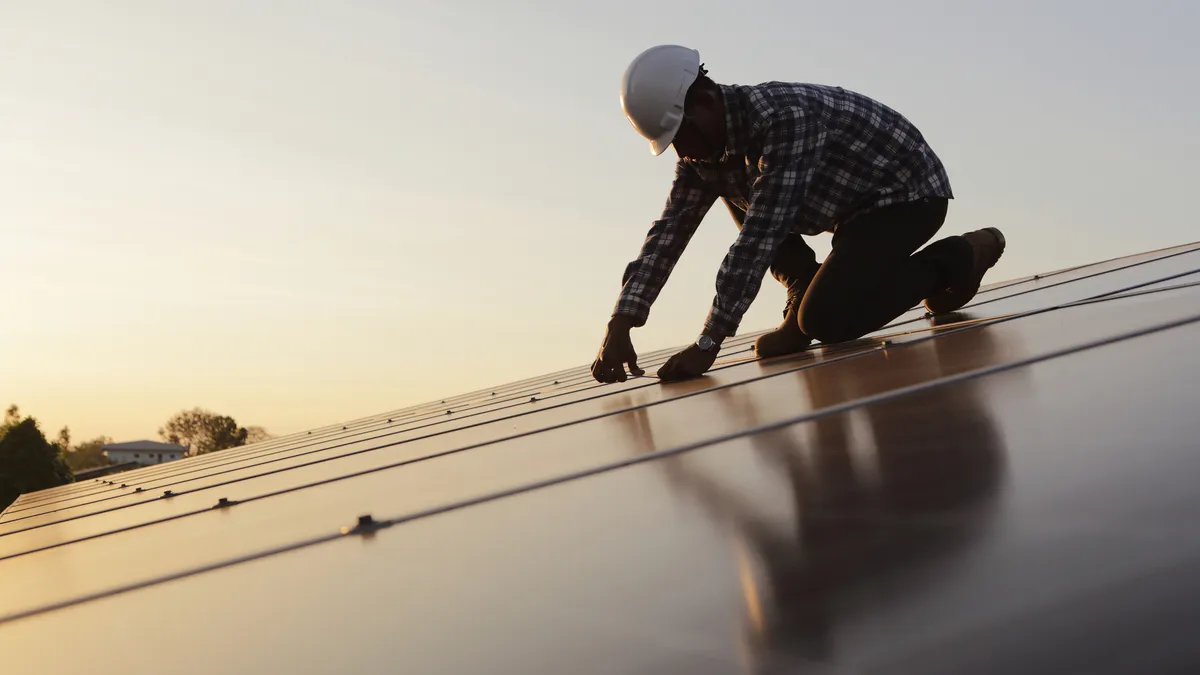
(305, 212)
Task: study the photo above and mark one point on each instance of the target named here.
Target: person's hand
(615, 352)
(689, 363)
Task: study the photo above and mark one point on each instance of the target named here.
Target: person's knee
(825, 323)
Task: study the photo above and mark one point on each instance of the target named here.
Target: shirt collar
(736, 124)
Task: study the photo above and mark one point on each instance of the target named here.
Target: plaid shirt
(798, 159)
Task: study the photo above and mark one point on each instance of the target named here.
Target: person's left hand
(689, 363)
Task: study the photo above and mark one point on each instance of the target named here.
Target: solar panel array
(1002, 490)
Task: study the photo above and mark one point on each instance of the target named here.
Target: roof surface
(1008, 490)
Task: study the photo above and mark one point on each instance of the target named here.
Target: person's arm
(643, 279)
(777, 197)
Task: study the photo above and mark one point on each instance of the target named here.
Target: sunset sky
(297, 213)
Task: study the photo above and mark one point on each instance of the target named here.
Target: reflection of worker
(861, 533)
(790, 160)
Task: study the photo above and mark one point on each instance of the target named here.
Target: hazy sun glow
(348, 207)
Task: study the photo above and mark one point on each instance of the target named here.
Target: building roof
(145, 446)
(94, 472)
(1008, 489)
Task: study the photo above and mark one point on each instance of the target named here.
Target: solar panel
(949, 495)
(737, 350)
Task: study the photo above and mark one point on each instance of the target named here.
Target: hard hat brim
(659, 145)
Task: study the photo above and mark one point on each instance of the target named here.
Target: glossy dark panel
(1038, 520)
(736, 351)
(1138, 268)
(374, 452)
(209, 536)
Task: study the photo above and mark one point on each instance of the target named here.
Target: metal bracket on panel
(224, 502)
(365, 525)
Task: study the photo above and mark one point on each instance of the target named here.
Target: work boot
(788, 338)
(987, 245)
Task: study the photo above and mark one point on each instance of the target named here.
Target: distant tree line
(203, 431)
(30, 462)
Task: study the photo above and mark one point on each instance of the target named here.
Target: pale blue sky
(301, 212)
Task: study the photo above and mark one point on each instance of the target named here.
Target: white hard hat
(653, 89)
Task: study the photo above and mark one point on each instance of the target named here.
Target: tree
(256, 435)
(203, 431)
(89, 454)
(28, 462)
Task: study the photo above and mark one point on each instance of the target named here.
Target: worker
(789, 160)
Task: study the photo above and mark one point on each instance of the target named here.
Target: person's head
(669, 99)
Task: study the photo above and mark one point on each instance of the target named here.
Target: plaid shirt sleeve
(777, 197)
(687, 203)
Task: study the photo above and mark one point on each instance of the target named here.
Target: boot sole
(1003, 244)
(951, 300)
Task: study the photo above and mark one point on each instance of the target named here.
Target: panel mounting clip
(365, 525)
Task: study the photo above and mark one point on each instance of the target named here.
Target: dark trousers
(874, 272)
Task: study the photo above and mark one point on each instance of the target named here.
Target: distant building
(144, 453)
